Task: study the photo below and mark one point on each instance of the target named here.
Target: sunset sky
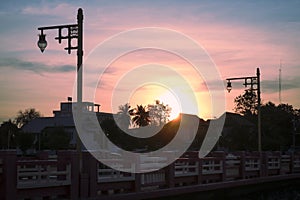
(238, 37)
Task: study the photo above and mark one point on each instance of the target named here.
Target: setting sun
(168, 98)
(149, 93)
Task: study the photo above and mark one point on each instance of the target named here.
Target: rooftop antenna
(279, 84)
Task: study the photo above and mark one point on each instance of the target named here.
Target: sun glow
(148, 94)
(168, 98)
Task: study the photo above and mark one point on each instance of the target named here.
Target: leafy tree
(25, 141)
(277, 120)
(55, 138)
(123, 116)
(159, 113)
(277, 126)
(238, 134)
(246, 104)
(287, 108)
(26, 116)
(156, 114)
(8, 131)
(140, 115)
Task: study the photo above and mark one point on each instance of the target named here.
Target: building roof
(37, 125)
(237, 119)
(62, 117)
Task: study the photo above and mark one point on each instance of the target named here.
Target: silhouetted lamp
(73, 31)
(229, 87)
(251, 80)
(42, 43)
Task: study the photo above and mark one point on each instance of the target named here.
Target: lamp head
(42, 43)
(229, 87)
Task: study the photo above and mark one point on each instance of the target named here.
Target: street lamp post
(251, 80)
(74, 31)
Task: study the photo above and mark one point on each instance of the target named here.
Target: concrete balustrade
(59, 176)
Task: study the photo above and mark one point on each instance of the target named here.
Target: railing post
(72, 158)
(199, 177)
(242, 155)
(138, 181)
(278, 155)
(242, 167)
(90, 168)
(292, 163)
(170, 173)
(84, 185)
(263, 164)
(9, 175)
(84, 175)
(223, 159)
(74, 175)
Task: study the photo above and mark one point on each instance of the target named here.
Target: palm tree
(140, 115)
(123, 116)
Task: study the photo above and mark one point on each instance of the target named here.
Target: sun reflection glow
(148, 94)
(168, 98)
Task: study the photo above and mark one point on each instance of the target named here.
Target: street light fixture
(229, 87)
(75, 31)
(42, 43)
(251, 80)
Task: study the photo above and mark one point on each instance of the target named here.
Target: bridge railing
(186, 167)
(296, 163)
(218, 167)
(233, 167)
(42, 173)
(286, 164)
(27, 178)
(60, 177)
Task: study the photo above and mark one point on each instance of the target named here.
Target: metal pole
(294, 134)
(258, 110)
(79, 55)
(8, 139)
(79, 36)
(79, 77)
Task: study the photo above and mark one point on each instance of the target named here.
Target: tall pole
(79, 55)
(79, 77)
(254, 80)
(258, 110)
(74, 31)
(294, 134)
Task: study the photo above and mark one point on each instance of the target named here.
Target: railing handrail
(189, 169)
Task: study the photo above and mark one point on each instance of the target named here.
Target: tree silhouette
(55, 138)
(140, 115)
(246, 104)
(279, 122)
(277, 126)
(8, 131)
(26, 116)
(25, 141)
(123, 116)
(159, 113)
